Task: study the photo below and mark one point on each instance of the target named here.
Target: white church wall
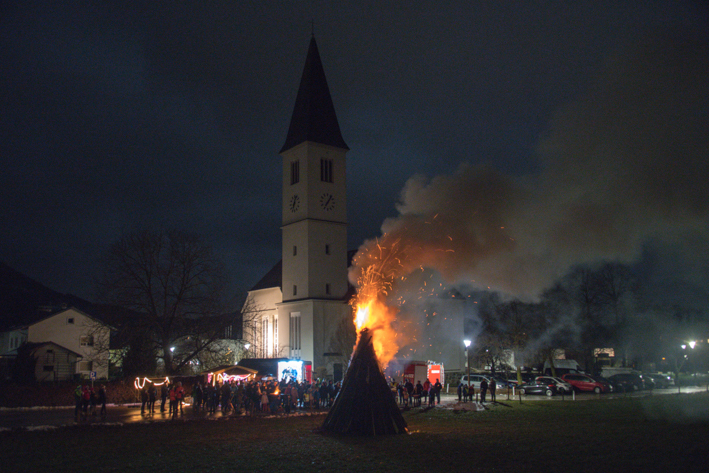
(328, 252)
(261, 304)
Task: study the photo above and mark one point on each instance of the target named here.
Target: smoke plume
(625, 164)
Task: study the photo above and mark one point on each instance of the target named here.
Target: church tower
(314, 266)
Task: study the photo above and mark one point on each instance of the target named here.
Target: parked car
(621, 384)
(561, 386)
(503, 382)
(605, 380)
(648, 382)
(661, 381)
(537, 387)
(582, 382)
(475, 380)
(627, 382)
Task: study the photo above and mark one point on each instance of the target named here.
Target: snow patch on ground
(463, 406)
(40, 428)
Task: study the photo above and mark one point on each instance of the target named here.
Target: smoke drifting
(623, 165)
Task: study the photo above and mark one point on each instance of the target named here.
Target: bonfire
(365, 404)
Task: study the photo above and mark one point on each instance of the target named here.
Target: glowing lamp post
(678, 365)
(467, 359)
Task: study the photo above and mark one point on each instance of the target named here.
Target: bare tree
(176, 287)
(250, 319)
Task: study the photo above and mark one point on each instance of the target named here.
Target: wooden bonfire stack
(365, 404)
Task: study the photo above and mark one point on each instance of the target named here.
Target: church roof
(314, 117)
(273, 278)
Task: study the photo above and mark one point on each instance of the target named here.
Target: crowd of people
(467, 393)
(240, 396)
(86, 399)
(410, 395)
(171, 395)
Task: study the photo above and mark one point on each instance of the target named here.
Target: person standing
(93, 399)
(163, 396)
(438, 387)
(78, 393)
(492, 388)
(143, 398)
(264, 400)
(409, 387)
(483, 390)
(330, 393)
(294, 396)
(102, 399)
(85, 400)
(152, 397)
(196, 396)
(173, 401)
(226, 397)
(179, 396)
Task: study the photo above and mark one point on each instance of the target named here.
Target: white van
(475, 380)
(562, 367)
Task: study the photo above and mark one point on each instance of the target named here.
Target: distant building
(65, 341)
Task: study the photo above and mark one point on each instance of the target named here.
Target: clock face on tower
(327, 201)
(294, 203)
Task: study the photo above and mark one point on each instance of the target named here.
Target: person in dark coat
(143, 398)
(438, 387)
(418, 392)
(152, 397)
(197, 396)
(483, 390)
(492, 388)
(102, 399)
(163, 396)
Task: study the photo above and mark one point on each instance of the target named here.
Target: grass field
(661, 433)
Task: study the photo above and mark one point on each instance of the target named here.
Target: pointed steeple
(314, 117)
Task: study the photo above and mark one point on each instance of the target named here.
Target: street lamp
(467, 359)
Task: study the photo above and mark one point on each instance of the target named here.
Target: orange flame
(370, 309)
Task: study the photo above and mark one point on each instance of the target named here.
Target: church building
(297, 308)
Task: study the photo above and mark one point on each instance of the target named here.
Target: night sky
(122, 115)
